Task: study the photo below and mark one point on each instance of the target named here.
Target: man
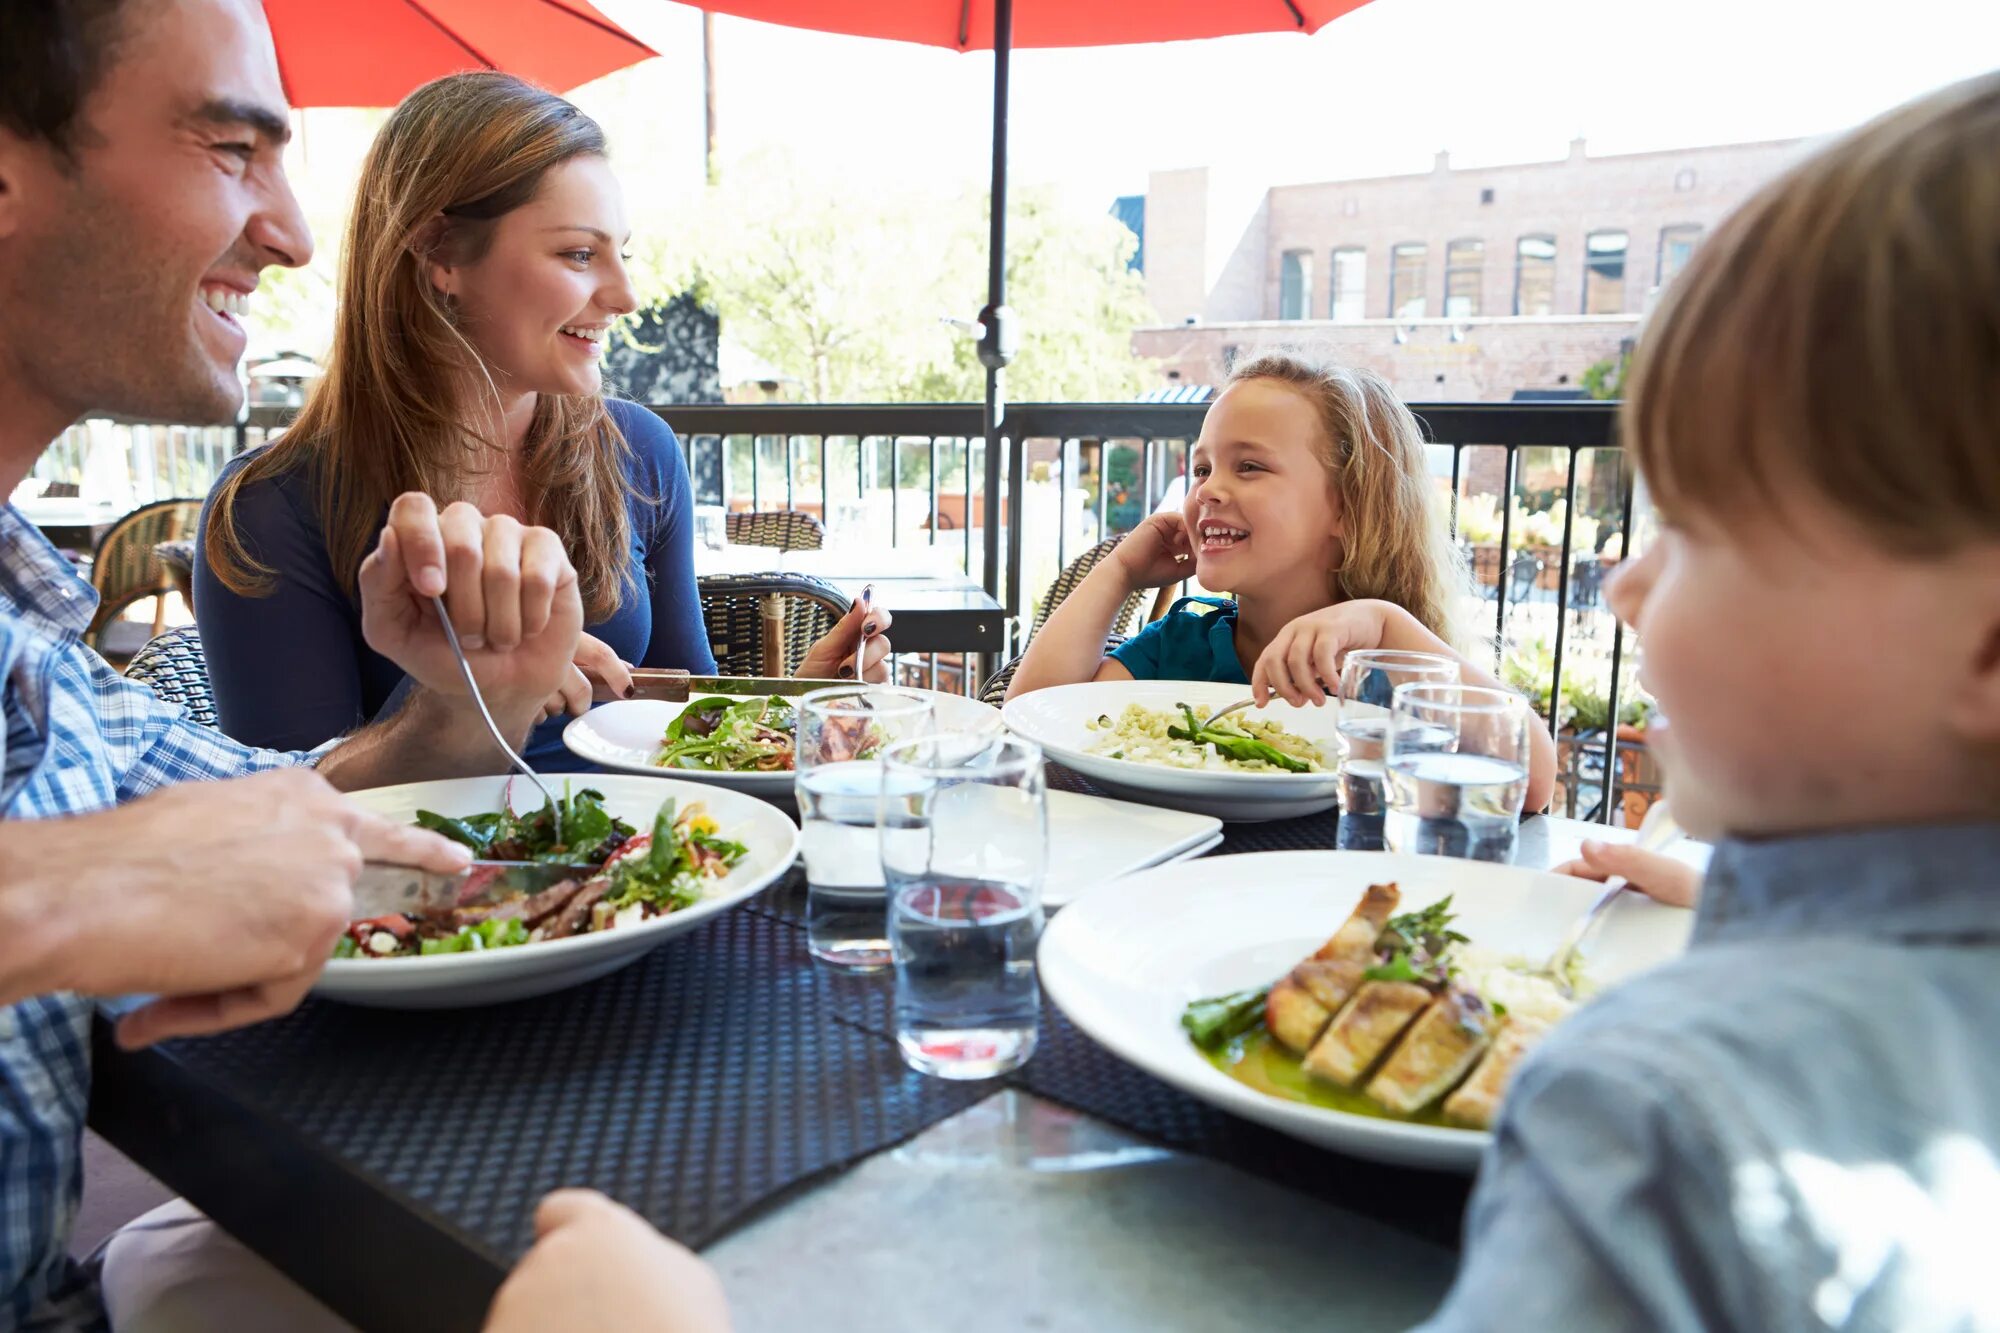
(141, 194)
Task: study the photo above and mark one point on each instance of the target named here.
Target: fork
(1221, 713)
(493, 728)
(1657, 832)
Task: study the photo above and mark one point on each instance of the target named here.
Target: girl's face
(1261, 506)
(540, 302)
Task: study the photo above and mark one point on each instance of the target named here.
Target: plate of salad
(654, 858)
(738, 741)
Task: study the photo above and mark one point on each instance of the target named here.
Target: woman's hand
(1156, 553)
(833, 656)
(1302, 665)
(1665, 878)
(595, 675)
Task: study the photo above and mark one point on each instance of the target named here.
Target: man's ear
(17, 159)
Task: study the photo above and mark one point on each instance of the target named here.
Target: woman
(481, 276)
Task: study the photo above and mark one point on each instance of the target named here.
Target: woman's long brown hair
(392, 412)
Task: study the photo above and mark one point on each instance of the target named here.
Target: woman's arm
(285, 666)
(679, 638)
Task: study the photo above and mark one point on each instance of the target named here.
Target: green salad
(730, 736)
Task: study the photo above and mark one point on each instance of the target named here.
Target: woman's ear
(429, 247)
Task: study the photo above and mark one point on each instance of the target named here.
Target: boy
(1796, 1126)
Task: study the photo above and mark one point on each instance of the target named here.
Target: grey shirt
(1795, 1126)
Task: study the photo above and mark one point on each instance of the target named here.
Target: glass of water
(965, 836)
(1457, 771)
(1368, 681)
(842, 733)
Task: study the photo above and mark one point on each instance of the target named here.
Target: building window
(1535, 275)
(1406, 280)
(1604, 273)
(1464, 270)
(1684, 180)
(1350, 285)
(1677, 246)
(1486, 196)
(1295, 284)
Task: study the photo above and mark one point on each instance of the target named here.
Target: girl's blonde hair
(1839, 337)
(390, 414)
(1396, 537)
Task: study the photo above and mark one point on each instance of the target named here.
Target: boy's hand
(597, 1265)
(1671, 881)
(1302, 665)
(1156, 553)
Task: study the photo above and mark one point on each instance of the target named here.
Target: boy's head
(1815, 409)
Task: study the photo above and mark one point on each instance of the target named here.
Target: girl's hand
(1302, 665)
(1156, 553)
(1665, 878)
(595, 675)
(832, 657)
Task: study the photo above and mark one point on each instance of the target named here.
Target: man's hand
(1156, 553)
(511, 593)
(224, 898)
(598, 1267)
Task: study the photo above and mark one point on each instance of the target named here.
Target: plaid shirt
(78, 738)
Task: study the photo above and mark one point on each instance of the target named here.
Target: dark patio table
(390, 1161)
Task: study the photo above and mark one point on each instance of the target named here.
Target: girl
(481, 277)
(1309, 498)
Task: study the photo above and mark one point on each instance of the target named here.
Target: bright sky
(1374, 93)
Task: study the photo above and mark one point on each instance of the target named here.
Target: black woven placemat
(695, 1085)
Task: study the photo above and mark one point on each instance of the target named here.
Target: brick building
(1456, 285)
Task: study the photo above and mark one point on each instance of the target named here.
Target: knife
(388, 890)
(678, 686)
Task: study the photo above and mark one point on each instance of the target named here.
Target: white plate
(1094, 840)
(1124, 961)
(1055, 719)
(451, 981)
(625, 735)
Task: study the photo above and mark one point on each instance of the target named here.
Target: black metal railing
(882, 464)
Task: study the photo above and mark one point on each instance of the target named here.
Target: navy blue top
(1186, 645)
(290, 669)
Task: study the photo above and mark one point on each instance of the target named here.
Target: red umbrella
(968, 25)
(999, 26)
(374, 52)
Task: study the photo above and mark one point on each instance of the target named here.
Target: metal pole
(997, 338)
(710, 161)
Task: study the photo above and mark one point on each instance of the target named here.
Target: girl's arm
(1070, 647)
(1308, 652)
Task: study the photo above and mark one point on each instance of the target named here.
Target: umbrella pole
(997, 340)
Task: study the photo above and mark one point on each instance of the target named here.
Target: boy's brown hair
(1841, 333)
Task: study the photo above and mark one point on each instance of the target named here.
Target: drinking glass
(1457, 770)
(1368, 681)
(842, 732)
(964, 836)
(711, 526)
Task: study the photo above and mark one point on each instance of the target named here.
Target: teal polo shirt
(1186, 644)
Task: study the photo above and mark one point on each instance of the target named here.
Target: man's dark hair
(52, 53)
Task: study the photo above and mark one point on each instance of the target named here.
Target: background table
(938, 607)
(70, 524)
(721, 1085)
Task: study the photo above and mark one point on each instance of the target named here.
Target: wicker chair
(994, 691)
(173, 666)
(785, 529)
(126, 569)
(1067, 582)
(763, 624)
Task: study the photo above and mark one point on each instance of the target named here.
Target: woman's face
(540, 302)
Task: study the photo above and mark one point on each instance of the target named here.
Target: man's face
(1808, 679)
(125, 277)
